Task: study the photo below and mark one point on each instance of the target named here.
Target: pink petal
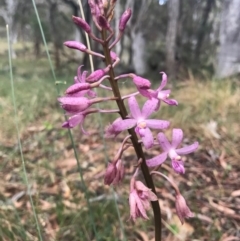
(134, 107)
(133, 205)
(75, 120)
(177, 136)
(84, 75)
(164, 81)
(152, 196)
(149, 107)
(157, 124)
(147, 137)
(157, 160)
(141, 187)
(144, 92)
(163, 142)
(187, 149)
(141, 207)
(170, 101)
(79, 73)
(122, 125)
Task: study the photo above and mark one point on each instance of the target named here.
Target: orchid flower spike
(163, 94)
(170, 149)
(139, 199)
(139, 120)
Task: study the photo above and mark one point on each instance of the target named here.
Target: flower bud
(97, 75)
(182, 209)
(73, 89)
(140, 82)
(75, 45)
(82, 24)
(102, 21)
(124, 19)
(74, 104)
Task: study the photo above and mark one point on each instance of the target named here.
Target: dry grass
(208, 112)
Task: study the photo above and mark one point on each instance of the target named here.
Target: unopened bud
(102, 21)
(73, 89)
(82, 24)
(140, 82)
(124, 19)
(76, 45)
(97, 75)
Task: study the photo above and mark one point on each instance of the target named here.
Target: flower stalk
(136, 145)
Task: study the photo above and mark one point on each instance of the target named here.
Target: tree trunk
(138, 52)
(173, 14)
(203, 25)
(228, 58)
(8, 13)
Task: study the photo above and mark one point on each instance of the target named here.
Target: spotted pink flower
(139, 120)
(170, 149)
(139, 199)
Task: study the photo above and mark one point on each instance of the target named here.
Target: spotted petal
(122, 125)
(157, 160)
(134, 107)
(164, 81)
(149, 107)
(177, 136)
(157, 124)
(163, 142)
(73, 121)
(147, 137)
(187, 149)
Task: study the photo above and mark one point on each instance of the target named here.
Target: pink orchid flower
(139, 199)
(170, 149)
(182, 209)
(139, 120)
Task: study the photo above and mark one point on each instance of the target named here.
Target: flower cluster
(80, 97)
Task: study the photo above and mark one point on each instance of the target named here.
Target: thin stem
(100, 121)
(19, 140)
(137, 146)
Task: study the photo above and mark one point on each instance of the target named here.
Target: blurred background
(197, 43)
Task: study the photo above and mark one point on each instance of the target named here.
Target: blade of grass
(101, 125)
(69, 131)
(19, 140)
